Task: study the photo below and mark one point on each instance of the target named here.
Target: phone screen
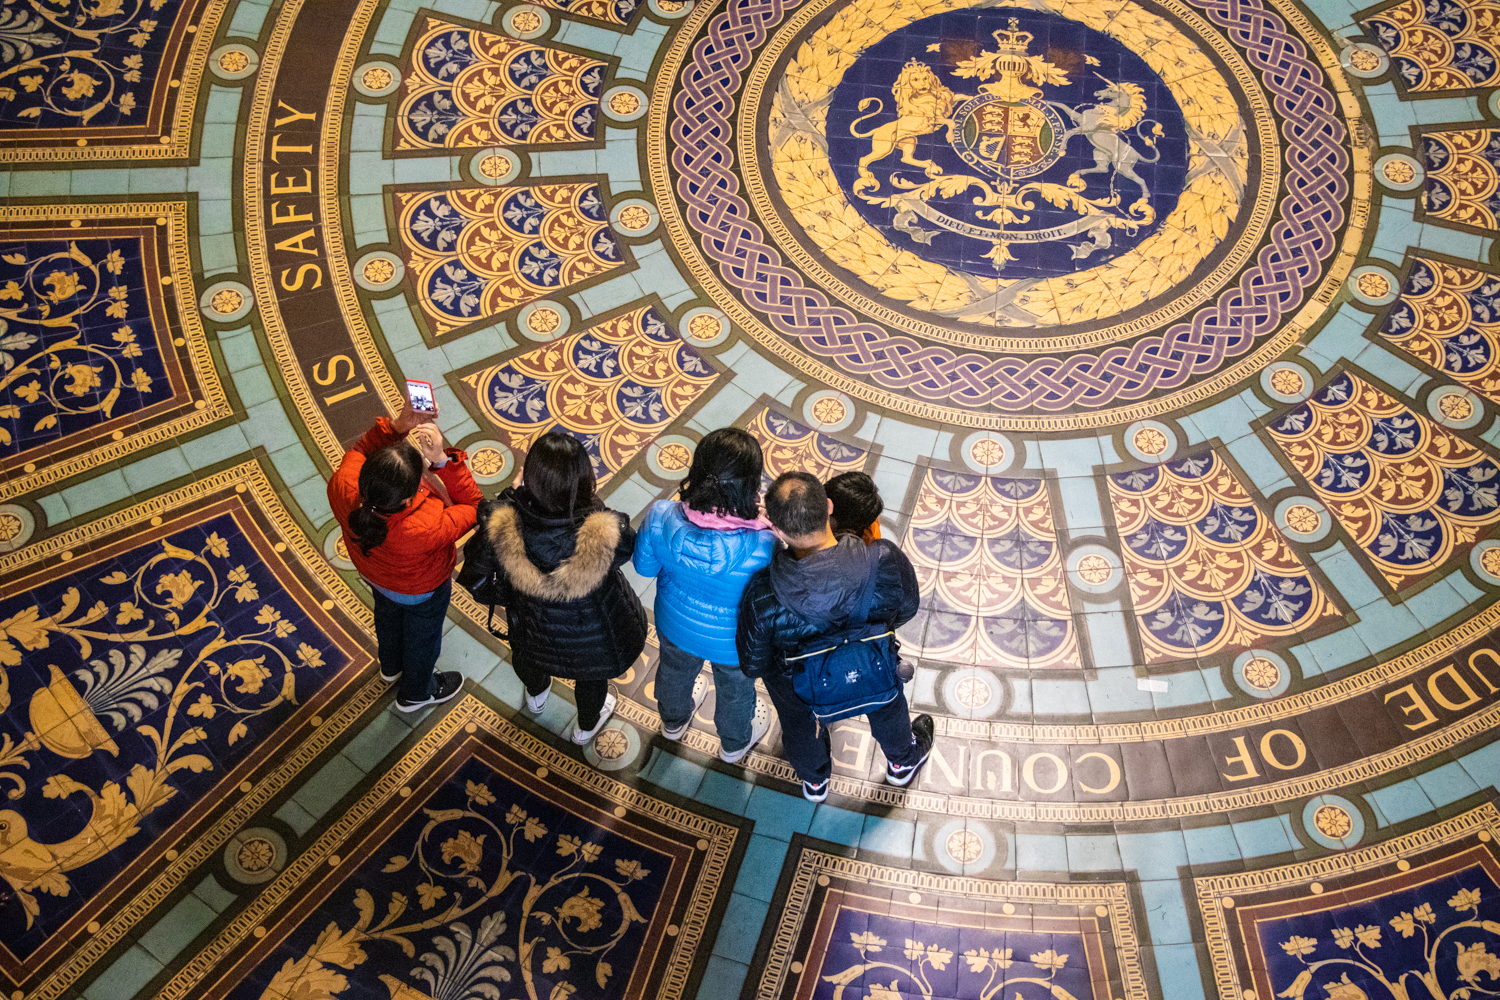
(420, 394)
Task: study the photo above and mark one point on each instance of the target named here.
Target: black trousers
(808, 746)
(588, 694)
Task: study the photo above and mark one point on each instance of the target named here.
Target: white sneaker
(700, 691)
(536, 702)
(759, 723)
(583, 738)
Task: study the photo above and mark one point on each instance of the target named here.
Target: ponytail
(388, 479)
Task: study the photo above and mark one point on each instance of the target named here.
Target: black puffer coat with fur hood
(569, 609)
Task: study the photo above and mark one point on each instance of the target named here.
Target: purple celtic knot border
(1292, 262)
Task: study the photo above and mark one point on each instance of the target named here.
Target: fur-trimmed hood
(576, 576)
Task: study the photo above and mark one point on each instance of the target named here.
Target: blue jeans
(734, 695)
(808, 746)
(409, 637)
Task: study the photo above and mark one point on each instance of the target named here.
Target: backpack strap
(860, 617)
(867, 593)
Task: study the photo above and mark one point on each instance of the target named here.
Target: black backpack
(852, 670)
(480, 574)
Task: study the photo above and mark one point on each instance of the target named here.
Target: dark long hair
(856, 502)
(725, 475)
(388, 479)
(559, 476)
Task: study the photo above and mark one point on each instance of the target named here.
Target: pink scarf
(724, 522)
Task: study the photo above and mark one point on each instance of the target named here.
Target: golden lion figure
(923, 105)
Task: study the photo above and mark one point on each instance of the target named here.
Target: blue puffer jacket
(701, 573)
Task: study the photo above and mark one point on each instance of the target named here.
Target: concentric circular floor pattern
(1168, 329)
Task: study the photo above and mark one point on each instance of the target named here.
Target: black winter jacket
(793, 601)
(569, 609)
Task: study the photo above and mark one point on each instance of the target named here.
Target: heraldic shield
(1026, 161)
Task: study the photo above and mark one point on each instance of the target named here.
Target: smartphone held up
(420, 395)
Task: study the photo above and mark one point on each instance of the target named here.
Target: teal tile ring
(335, 550)
(1334, 822)
(1287, 382)
(989, 453)
(705, 326)
(377, 78)
(1262, 673)
(1373, 285)
(671, 10)
(634, 218)
(964, 847)
(378, 271)
(1095, 569)
(625, 103)
(1304, 518)
(1364, 60)
(494, 166)
(1484, 558)
(226, 301)
(1150, 441)
(829, 411)
(17, 525)
(670, 456)
(1455, 407)
(616, 747)
(525, 21)
(233, 62)
(255, 855)
(1399, 172)
(491, 462)
(973, 692)
(544, 321)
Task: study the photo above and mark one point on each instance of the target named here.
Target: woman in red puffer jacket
(402, 509)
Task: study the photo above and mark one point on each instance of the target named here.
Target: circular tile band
(929, 379)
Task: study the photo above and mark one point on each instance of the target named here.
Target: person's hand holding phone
(421, 408)
(429, 441)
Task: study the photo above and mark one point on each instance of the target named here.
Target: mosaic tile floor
(1169, 330)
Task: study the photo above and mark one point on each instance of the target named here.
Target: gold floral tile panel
(853, 928)
(790, 446)
(1411, 494)
(102, 79)
(1463, 175)
(164, 673)
(986, 555)
(1416, 916)
(484, 863)
(1452, 45)
(1208, 569)
(474, 253)
(1448, 317)
(99, 354)
(614, 386)
(472, 88)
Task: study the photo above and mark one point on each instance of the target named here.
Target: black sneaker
(388, 675)
(446, 685)
(922, 730)
(815, 793)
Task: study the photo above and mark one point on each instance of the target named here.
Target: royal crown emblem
(1012, 135)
